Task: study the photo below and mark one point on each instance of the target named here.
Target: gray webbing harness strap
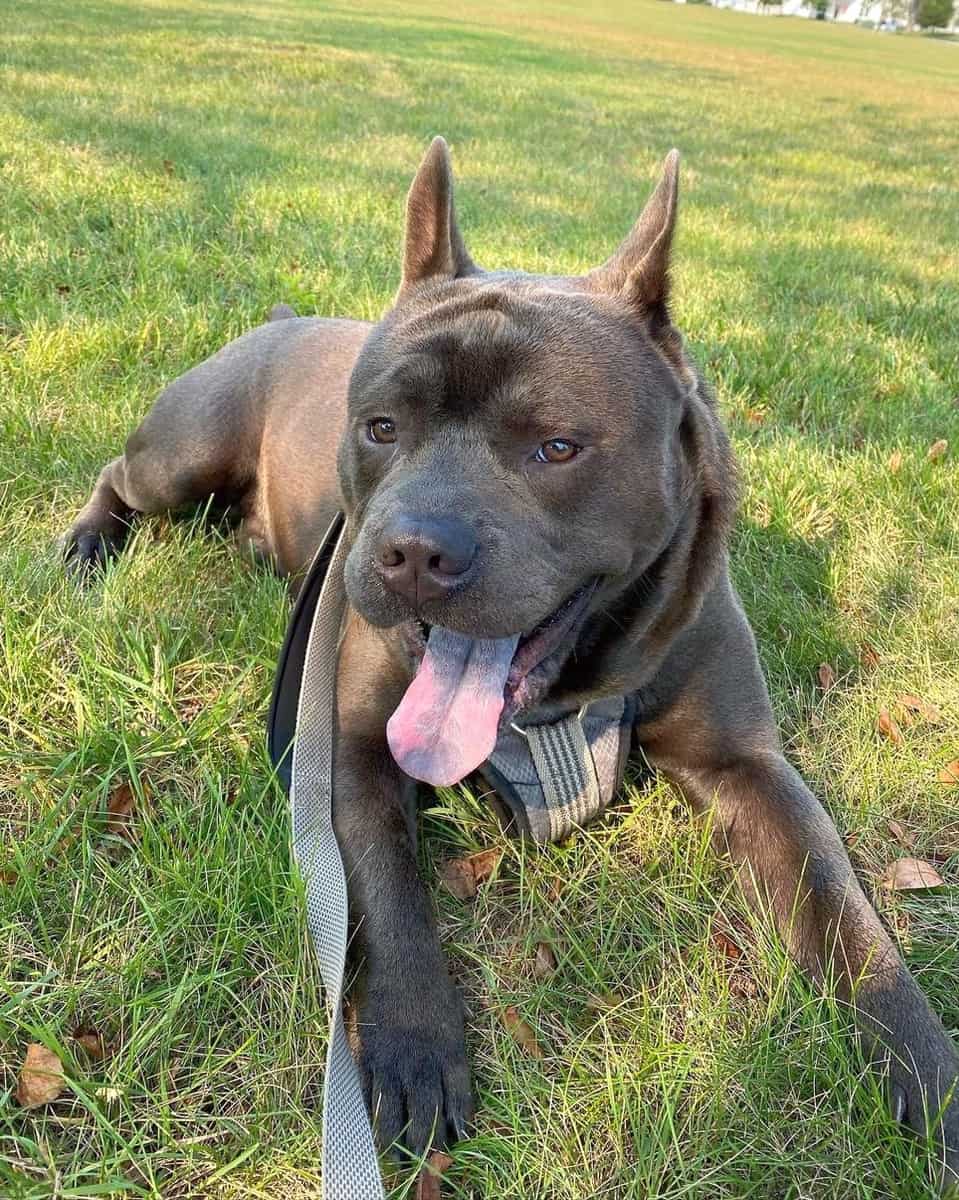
(350, 1167)
(557, 776)
(566, 771)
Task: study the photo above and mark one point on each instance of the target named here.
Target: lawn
(171, 170)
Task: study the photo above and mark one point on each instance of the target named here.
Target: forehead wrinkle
(472, 358)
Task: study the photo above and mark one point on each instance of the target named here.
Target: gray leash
(350, 1167)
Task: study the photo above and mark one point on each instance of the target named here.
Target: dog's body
(535, 480)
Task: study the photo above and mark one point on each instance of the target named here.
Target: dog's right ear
(638, 272)
(433, 247)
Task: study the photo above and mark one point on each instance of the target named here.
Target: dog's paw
(416, 1076)
(927, 1110)
(85, 550)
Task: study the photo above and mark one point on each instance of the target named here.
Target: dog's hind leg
(200, 439)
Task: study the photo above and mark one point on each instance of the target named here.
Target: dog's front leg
(413, 1054)
(792, 863)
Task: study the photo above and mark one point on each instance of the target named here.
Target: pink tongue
(447, 721)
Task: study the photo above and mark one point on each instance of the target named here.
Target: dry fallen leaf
(827, 676)
(726, 944)
(41, 1077)
(8, 876)
(868, 657)
(458, 878)
(851, 839)
(949, 775)
(889, 728)
(911, 874)
(521, 1032)
(922, 708)
(895, 462)
(91, 1042)
(937, 450)
(121, 808)
(428, 1185)
(544, 964)
(906, 840)
(463, 876)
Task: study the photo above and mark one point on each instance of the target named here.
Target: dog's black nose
(424, 558)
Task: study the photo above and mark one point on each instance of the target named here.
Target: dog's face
(514, 455)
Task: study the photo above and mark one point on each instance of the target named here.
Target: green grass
(169, 172)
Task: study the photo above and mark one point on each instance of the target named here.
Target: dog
(515, 454)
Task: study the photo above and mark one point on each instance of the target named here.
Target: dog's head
(522, 453)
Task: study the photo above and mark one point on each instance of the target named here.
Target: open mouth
(465, 688)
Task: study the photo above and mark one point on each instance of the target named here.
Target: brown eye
(557, 450)
(382, 430)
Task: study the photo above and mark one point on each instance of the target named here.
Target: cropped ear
(639, 270)
(433, 246)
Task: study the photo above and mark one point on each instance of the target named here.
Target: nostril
(450, 563)
(390, 556)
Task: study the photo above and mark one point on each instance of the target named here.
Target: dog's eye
(382, 430)
(557, 450)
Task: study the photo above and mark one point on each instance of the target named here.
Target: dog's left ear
(433, 246)
(639, 270)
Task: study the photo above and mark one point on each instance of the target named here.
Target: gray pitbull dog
(516, 455)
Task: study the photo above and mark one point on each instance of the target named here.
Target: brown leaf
(827, 676)
(949, 775)
(458, 878)
(915, 704)
(8, 876)
(726, 944)
(168, 166)
(754, 417)
(911, 874)
(91, 1042)
(521, 1032)
(851, 839)
(428, 1185)
(895, 462)
(41, 1077)
(463, 876)
(544, 964)
(889, 728)
(937, 450)
(868, 657)
(484, 864)
(121, 810)
(906, 840)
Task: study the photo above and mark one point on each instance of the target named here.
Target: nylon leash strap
(350, 1167)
